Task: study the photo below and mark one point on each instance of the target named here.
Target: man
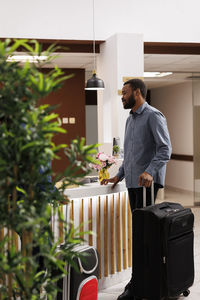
(147, 149)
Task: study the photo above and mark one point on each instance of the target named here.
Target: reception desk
(105, 212)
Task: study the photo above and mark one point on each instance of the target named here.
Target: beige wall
(175, 102)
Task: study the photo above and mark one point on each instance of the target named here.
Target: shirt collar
(140, 109)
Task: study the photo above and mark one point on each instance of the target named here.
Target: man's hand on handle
(113, 180)
(145, 179)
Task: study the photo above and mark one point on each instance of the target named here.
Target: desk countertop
(94, 189)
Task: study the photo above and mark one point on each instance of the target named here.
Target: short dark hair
(138, 84)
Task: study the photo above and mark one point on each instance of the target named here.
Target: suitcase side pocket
(180, 264)
(181, 222)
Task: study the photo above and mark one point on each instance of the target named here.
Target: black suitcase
(163, 258)
(82, 285)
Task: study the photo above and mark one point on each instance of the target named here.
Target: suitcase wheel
(186, 293)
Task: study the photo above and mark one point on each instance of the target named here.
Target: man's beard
(130, 103)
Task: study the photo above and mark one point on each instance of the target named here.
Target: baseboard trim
(189, 193)
(175, 189)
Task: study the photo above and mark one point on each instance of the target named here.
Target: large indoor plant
(27, 195)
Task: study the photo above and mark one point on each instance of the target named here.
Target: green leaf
(41, 81)
(56, 82)
(16, 45)
(58, 129)
(27, 46)
(21, 190)
(49, 117)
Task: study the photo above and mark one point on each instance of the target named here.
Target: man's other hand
(113, 180)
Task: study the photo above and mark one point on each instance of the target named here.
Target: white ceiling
(171, 62)
(75, 60)
(182, 66)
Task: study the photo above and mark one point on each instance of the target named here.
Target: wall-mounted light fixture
(94, 83)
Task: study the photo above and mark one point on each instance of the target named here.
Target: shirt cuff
(120, 175)
(150, 171)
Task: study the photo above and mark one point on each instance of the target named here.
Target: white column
(121, 56)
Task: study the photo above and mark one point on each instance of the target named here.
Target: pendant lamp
(94, 83)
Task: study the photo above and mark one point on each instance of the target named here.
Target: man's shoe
(126, 295)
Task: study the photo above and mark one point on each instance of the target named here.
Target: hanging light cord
(94, 71)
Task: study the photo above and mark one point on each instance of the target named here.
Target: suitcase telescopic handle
(145, 195)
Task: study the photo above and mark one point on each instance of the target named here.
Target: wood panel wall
(70, 100)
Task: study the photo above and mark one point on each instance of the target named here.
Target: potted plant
(116, 150)
(27, 195)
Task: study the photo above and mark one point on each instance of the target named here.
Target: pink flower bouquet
(104, 161)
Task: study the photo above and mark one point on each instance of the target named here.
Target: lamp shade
(94, 83)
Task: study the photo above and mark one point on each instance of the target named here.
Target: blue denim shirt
(147, 146)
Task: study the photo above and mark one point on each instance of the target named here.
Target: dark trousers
(136, 199)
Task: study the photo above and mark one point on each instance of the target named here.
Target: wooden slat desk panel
(107, 213)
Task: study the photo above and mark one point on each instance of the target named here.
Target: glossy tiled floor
(185, 199)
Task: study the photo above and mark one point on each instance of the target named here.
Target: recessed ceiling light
(156, 74)
(24, 58)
